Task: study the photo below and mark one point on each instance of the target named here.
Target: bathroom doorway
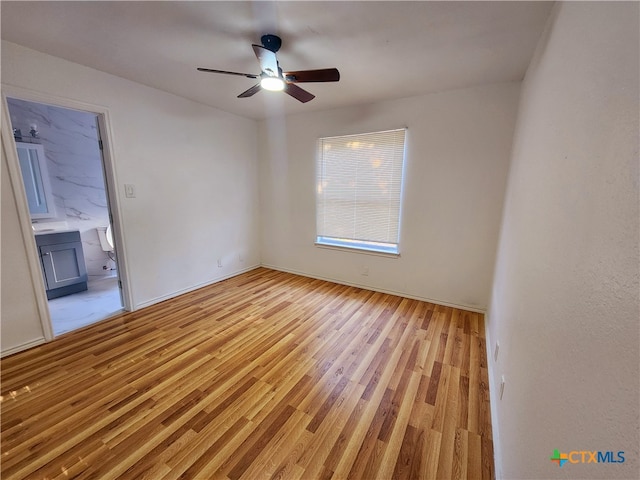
(61, 159)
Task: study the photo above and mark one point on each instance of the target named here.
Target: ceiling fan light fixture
(273, 78)
(273, 84)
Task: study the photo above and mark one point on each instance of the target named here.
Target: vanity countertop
(48, 231)
(58, 226)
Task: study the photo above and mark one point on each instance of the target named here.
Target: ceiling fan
(273, 78)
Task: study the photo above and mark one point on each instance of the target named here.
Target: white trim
(106, 135)
(169, 296)
(22, 347)
(494, 398)
(24, 219)
(357, 250)
(111, 179)
(468, 308)
(50, 99)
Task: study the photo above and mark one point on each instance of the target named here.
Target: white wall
(458, 147)
(565, 299)
(194, 169)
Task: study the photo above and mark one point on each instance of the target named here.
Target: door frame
(15, 177)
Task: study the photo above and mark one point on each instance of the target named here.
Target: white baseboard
(21, 347)
(375, 289)
(162, 298)
(494, 398)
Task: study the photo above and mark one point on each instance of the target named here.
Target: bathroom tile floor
(100, 301)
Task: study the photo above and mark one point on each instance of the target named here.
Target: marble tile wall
(70, 142)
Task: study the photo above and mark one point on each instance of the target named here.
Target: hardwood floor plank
(266, 374)
(474, 454)
(449, 420)
(460, 453)
(430, 454)
(316, 452)
(396, 436)
(199, 467)
(473, 418)
(403, 468)
(434, 382)
(267, 429)
(361, 466)
(420, 408)
(267, 461)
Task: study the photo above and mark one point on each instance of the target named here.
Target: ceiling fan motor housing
(271, 42)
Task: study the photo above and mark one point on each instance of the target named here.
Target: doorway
(60, 152)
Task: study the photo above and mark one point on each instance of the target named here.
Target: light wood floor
(265, 375)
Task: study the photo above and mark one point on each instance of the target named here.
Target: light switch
(129, 190)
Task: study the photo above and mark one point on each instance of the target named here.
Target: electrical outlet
(219, 263)
(495, 352)
(240, 258)
(501, 387)
(365, 270)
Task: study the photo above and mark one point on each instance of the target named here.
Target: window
(358, 190)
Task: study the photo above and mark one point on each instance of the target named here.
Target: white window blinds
(358, 190)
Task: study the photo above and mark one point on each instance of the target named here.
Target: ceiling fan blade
(298, 93)
(252, 91)
(321, 75)
(267, 59)
(210, 70)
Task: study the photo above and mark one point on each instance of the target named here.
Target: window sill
(357, 250)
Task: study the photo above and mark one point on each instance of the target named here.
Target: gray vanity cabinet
(62, 262)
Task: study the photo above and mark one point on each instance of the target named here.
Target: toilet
(105, 235)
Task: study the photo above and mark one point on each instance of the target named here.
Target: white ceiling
(384, 50)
